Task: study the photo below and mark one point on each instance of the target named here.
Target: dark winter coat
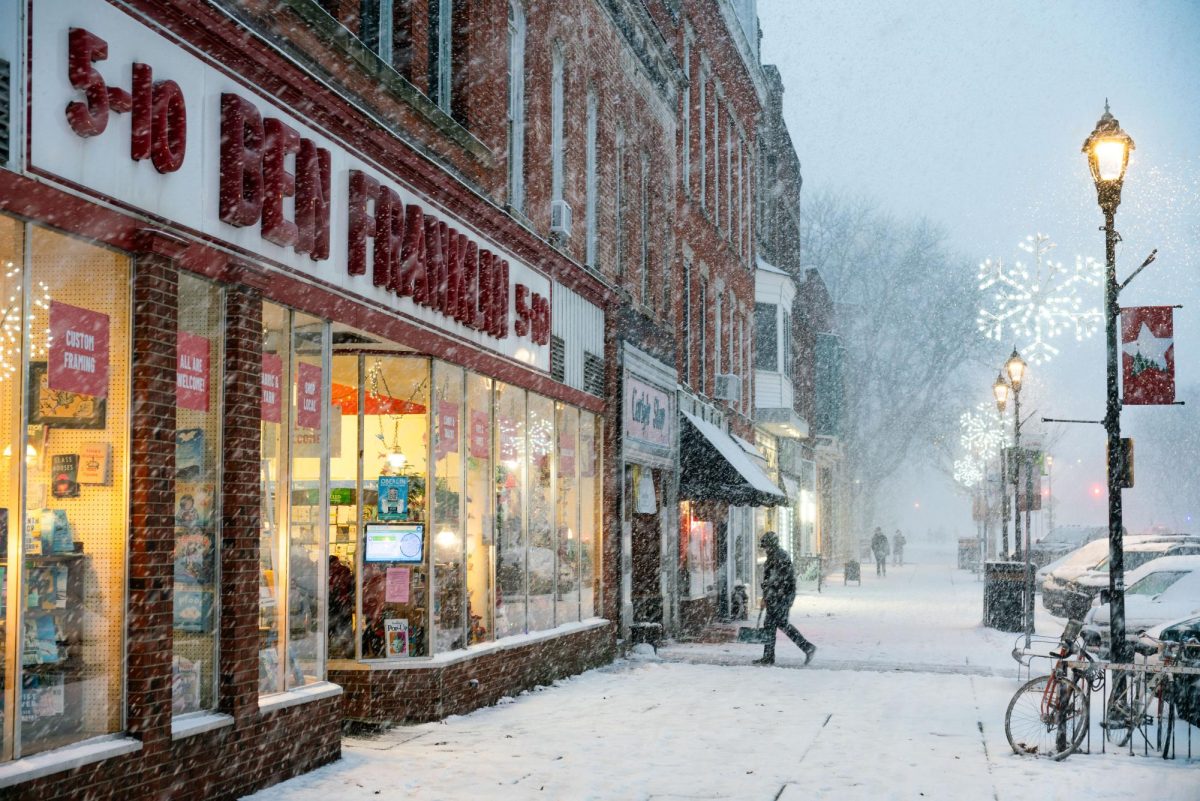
(879, 545)
(779, 582)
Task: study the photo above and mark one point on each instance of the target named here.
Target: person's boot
(810, 651)
(764, 661)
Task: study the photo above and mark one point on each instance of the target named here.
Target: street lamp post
(1001, 389)
(1107, 150)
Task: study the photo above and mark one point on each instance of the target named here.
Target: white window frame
(516, 106)
(687, 114)
(619, 210)
(440, 79)
(703, 139)
(644, 226)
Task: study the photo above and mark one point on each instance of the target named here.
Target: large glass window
(480, 532)
(566, 516)
(199, 357)
(447, 509)
(395, 557)
(345, 513)
(64, 405)
(511, 586)
(516, 105)
(543, 551)
(590, 514)
(294, 470)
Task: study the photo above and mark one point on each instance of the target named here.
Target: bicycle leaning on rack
(1143, 702)
(1049, 715)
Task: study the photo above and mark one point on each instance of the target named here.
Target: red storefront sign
(78, 350)
(272, 383)
(1148, 355)
(479, 438)
(191, 372)
(308, 396)
(447, 428)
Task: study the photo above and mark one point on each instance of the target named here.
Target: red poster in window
(78, 350)
(1148, 355)
(308, 396)
(478, 439)
(566, 454)
(191, 372)
(587, 456)
(447, 429)
(272, 384)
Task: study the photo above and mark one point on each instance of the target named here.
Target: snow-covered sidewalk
(905, 700)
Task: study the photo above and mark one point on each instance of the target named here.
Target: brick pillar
(240, 504)
(151, 505)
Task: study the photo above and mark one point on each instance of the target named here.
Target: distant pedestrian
(778, 592)
(879, 547)
(898, 548)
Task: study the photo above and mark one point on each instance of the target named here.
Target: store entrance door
(647, 547)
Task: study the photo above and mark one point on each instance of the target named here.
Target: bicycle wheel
(1047, 717)
(1126, 709)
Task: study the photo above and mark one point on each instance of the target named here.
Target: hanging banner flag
(480, 437)
(308, 395)
(447, 429)
(1148, 355)
(191, 372)
(78, 350)
(272, 383)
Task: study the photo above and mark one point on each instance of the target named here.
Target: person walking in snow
(778, 592)
(879, 547)
(898, 548)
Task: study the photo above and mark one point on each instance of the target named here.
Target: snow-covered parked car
(1092, 581)
(1063, 540)
(1055, 577)
(1161, 590)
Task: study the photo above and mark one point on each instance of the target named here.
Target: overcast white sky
(973, 115)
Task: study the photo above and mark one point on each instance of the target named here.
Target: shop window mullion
(360, 529)
(283, 504)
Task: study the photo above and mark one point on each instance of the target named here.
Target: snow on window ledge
(463, 654)
(67, 758)
(302, 695)
(198, 724)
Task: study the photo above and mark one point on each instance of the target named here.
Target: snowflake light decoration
(1038, 302)
(981, 436)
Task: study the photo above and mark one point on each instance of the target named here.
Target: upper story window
(766, 337)
(592, 182)
(516, 106)
(703, 140)
(788, 361)
(687, 322)
(556, 125)
(644, 229)
(687, 115)
(619, 196)
(377, 23)
(441, 29)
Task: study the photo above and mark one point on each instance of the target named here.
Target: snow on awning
(716, 468)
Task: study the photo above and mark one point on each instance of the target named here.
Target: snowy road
(905, 700)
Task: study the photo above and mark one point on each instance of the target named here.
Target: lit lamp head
(395, 460)
(1000, 391)
(1016, 370)
(1107, 150)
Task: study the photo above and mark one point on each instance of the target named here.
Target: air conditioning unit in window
(560, 218)
(728, 388)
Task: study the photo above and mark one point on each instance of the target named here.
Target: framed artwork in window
(59, 408)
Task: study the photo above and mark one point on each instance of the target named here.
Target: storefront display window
(396, 541)
(197, 492)
(64, 345)
(511, 584)
(294, 469)
(480, 532)
(446, 509)
(590, 511)
(542, 555)
(566, 516)
(344, 513)
(696, 541)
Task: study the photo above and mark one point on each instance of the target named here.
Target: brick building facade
(371, 350)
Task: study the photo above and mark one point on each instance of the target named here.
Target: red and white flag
(1148, 355)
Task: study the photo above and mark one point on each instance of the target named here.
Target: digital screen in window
(395, 542)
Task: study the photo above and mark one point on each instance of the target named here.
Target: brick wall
(417, 695)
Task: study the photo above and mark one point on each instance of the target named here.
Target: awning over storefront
(716, 468)
(793, 489)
